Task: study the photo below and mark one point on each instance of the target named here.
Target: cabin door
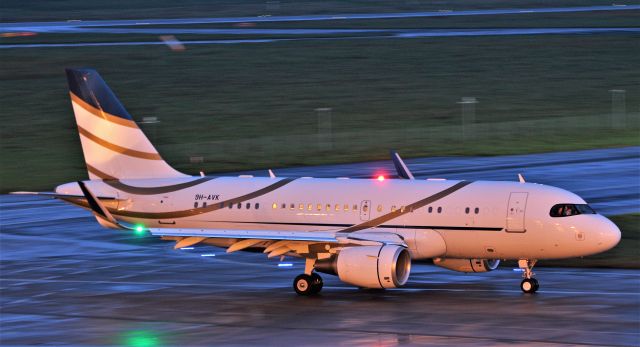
(516, 212)
(365, 210)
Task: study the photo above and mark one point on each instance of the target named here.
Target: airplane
(365, 231)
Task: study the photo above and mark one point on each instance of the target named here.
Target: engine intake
(370, 266)
(467, 265)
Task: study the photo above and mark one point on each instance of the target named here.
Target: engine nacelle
(467, 265)
(370, 266)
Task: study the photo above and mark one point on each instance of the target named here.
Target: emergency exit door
(516, 212)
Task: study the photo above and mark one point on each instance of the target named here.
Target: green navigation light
(139, 228)
(141, 338)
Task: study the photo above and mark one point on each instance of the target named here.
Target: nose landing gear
(528, 284)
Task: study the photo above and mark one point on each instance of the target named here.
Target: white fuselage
(436, 218)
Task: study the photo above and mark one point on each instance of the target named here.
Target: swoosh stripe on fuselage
(117, 184)
(409, 208)
(210, 208)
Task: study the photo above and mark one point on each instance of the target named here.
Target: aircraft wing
(278, 242)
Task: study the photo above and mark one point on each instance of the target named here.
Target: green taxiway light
(141, 338)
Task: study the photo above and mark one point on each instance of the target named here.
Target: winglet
(401, 168)
(101, 213)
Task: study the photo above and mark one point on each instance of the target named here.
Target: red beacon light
(380, 178)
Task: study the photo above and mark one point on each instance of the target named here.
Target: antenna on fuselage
(271, 174)
(521, 178)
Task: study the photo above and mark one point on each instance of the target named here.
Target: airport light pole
(325, 134)
(618, 116)
(468, 112)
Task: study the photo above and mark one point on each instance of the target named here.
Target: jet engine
(384, 266)
(467, 265)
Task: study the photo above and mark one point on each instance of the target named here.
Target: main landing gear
(528, 284)
(308, 284)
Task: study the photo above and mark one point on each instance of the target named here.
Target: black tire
(316, 283)
(303, 285)
(529, 285)
(536, 285)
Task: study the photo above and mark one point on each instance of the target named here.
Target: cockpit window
(566, 210)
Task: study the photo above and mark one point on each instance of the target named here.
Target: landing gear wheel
(316, 283)
(303, 285)
(529, 285)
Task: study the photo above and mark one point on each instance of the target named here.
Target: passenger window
(274, 206)
(301, 207)
(477, 210)
(430, 209)
(319, 207)
(204, 204)
(284, 206)
(222, 205)
(379, 209)
(466, 210)
(248, 207)
(239, 205)
(393, 208)
(230, 205)
(346, 207)
(257, 205)
(292, 206)
(355, 207)
(337, 207)
(439, 209)
(310, 207)
(195, 204)
(401, 209)
(328, 208)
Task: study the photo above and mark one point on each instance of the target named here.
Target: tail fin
(114, 147)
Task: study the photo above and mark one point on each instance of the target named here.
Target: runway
(77, 23)
(64, 280)
(271, 35)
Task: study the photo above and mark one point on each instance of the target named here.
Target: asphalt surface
(76, 23)
(146, 27)
(64, 280)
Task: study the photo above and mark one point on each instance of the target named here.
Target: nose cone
(608, 235)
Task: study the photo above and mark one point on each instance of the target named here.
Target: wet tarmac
(64, 280)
